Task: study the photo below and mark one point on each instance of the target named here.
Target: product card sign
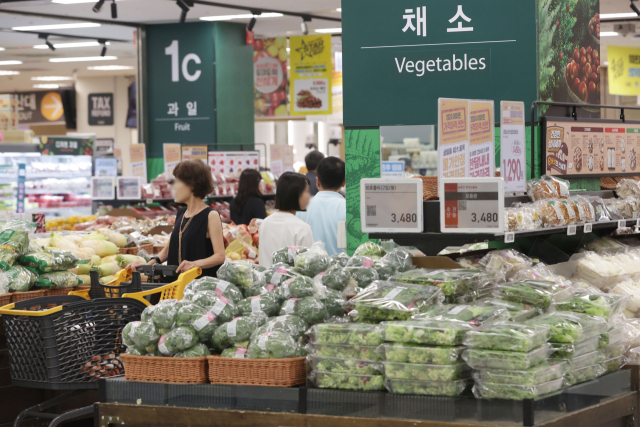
(453, 138)
(172, 156)
(482, 139)
(471, 205)
(100, 109)
(129, 188)
(103, 188)
(391, 205)
(513, 148)
(392, 170)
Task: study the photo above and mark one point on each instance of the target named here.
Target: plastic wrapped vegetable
(20, 278)
(287, 255)
(362, 277)
(204, 299)
(566, 351)
(297, 287)
(474, 315)
(310, 309)
(525, 377)
(427, 388)
(454, 283)
(347, 381)
(436, 332)
(176, 340)
(344, 366)
(221, 287)
(147, 313)
(401, 258)
(14, 241)
(198, 350)
(411, 371)
(272, 345)
(238, 331)
(46, 261)
(334, 302)
(164, 316)
(505, 261)
(143, 335)
(385, 269)
(346, 333)
(268, 303)
(58, 280)
(189, 313)
(340, 259)
(237, 272)
(479, 358)
(601, 305)
(484, 390)
(416, 353)
(571, 327)
(289, 323)
(534, 292)
(508, 336)
(344, 351)
(581, 375)
(370, 249)
(277, 274)
(313, 261)
(335, 277)
(518, 312)
(235, 353)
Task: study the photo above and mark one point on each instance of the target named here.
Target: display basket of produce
(135, 249)
(5, 299)
(23, 296)
(264, 372)
(186, 370)
(66, 342)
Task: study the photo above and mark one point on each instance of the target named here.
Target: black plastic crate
(213, 396)
(117, 390)
(431, 408)
(344, 403)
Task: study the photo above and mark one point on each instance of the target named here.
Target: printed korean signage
(513, 148)
(172, 156)
(311, 75)
(270, 77)
(482, 139)
(193, 152)
(40, 107)
(72, 146)
(100, 109)
(138, 161)
(399, 54)
(591, 149)
(624, 70)
(453, 137)
(233, 162)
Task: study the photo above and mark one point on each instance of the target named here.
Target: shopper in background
(283, 228)
(312, 159)
(328, 207)
(249, 202)
(196, 240)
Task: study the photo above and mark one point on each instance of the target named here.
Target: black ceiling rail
(68, 18)
(252, 9)
(6, 30)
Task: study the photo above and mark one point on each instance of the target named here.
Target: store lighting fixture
(98, 6)
(635, 8)
(110, 67)
(57, 26)
(46, 86)
(74, 1)
(10, 62)
(50, 78)
(9, 73)
(252, 24)
(182, 4)
(617, 15)
(67, 45)
(83, 59)
(1, 49)
(329, 30)
(49, 45)
(244, 16)
(114, 9)
(608, 33)
(339, 9)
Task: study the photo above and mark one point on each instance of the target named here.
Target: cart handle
(185, 278)
(123, 275)
(8, 309)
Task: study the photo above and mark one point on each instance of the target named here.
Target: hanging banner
(513, 149)
(482, 140)
(624, 70)
(453, 137)
(67, 145)
(311, 75)
(270, 77)
(171, 158)
(195, 152)
(138, 161)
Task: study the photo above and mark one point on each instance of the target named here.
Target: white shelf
(58, 175)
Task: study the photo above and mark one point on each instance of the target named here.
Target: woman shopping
(282, 228)
(249, 202)
(196, 240)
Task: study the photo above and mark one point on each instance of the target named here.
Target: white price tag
(513, 149)
(509, 237)
(638, 223)
(471, 205)
(103, 188)
(149, 201)
(571, 230)
(129, 188)
(391, 205)
(622, 223)
(588, 228)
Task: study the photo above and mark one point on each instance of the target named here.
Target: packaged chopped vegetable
(46, 261)
(362, 277)
(313, 261)
(537, 375)
(505, 261)
(401, 258)
(58, 280)
(417, 353)
(446, 333)
(221, 287)
(385, 269)
(567, 351)
(427, 388)
(571, 327)
(347, 381)
(336, 277)
(518, 312)
(14, 241)
(508, 336)
(600, 305)
(394, 301)
(239, 273)
(578, 362)
(340, 259)
(346, 333)
(537, 293)
(287, 255)
(613, 364)
(344, 350)
(474, 315)
(310, 309)
(142, 335)
(20, 278)
(272, 345)
(454, 283)
(412, 371)
(581, 375)
(290, 324)
(344, 366)
(613, 336)
(370, 249)
(614, 350)
(176, 340)
(484, 390)
(478, 359)
(268, 303)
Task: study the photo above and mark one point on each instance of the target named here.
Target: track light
(114, 10)
(185, 9)
(305, 29)
(49, 45)
(635, 8)
(252, 24)
(98, 6)
(104, 47)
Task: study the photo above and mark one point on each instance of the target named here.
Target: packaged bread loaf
(561, 186)
(550, 213)
(538, 189)
(578, 209)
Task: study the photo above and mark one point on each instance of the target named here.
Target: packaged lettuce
(344, 366)
(221, 287)
(411, 371)
(20, 278)
(272, 345)
(203, 298)
(296, 287)
(289, 323)
(277, 274)
(189, 313)
(343, 350)
(394, 301)
(508, 336)
(537, 293)
(582, 375)
(235, 353)
(427, 388)
(287, 255)
(570, 327)
(436, 332)
(566, 351)
(310, 309)
(177, 340)
(484, 390)
(164, 316)
(362, 277)
(600, 305)
(313, 261)
(370, 249)
(474, 315)
(58, 280)
(198, 350)
(417, 353)
(401, 258)
(613, 336)
(454, 283)
(578, 362)
(142, 335)
(518, 312)
(223, 308)
(334, 301)
(346, 333)
(347, 381)
(238, 331)
(14, 241)
(614, 350)
(478, 359)
(147, 313)
(361, 261)
(46, 261)
(385, 269)
(267, 303)
(527, 377)
(340, 259)
(239, 273)
(613, 364)
(336, 277)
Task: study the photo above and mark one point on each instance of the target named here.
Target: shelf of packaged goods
(63, 211)
(59, 175)
(56, 192)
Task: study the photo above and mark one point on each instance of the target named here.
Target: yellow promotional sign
(195, 152)
(51, 106)
(311, 75)
(482, 139)
(453, 137)
(624, 70)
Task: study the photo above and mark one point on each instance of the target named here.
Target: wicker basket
(157, 249)
(429, 187)
(21, 296)
(5, 299)
(134, 250)
(189, 370)
(59, 292)
(264, 372)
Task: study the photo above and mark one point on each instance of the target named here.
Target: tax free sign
(400, 56)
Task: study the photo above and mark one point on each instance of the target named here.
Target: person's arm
(259, 209)
(163, 255)
(215, 234)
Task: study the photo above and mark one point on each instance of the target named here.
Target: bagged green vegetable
(344, 351)
(479, 359)
(362, 277)
(164, 316)
(177, 340)
(235, 353)
(142, 335)
(334, 301)
(346, 333)
(582, 375)
(340, 259)
(239, 273)
(509, 337)
(336, 277)
(221, 287)
(347, 381)
(412, 371)
(474, 315)
(46, 261)
(237, 332)
(565, 350)
(344, 366)
(370, 249)
(601, 305)
(528, 377)
(58, 280)
(518, 312)
(287, 255)
(571, 327)
(484, 390)
(537, 293)
(401, 258)
(198, 350)
(454, 283)
(422, 354)
(310, 309)
(14, 241)
(297, 287)
(272, 345)
(290, 324)
(267, 303)
(432, 332)
(277, 274)
(313, 261)
(21, 279)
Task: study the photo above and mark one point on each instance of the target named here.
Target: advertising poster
(624, 70)
(482, 140)
(172, 153)
(233, 162)
(100, 109)
(72, 146)
(270, 77)
(513, 149)
(311, 75)
(40, 107)
(138, 161)
(195, 152)
(453, 137)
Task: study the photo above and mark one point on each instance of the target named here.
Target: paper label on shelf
(509, 237)
(240, 353)
(588, 228)
(289, 306)
(571, 230)
(203, 321)
(149, 201)
(394, 293)
(232, 328)
(255, 304)
(219, 306)
(622, 223)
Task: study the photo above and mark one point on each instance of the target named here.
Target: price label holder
(103, 188)
(471, 205)
(638, 223)
(509, 237)
(571, 230)
(391, 205)
(129, 188)
(588, 228)
(622, 223)
(149, 201)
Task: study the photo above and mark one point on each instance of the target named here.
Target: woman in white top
(283, 228)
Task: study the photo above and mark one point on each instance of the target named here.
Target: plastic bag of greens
(347, 381)
(538, 293)
(277, 274)
(297, 287)
(287, 255)
(385, 269)
(512, 360)
(204, 299)
(239, 273)
(14, 241)
(506, 261)
(336, 277)
(147, 313)
(238, 332)
(143, 335)
(4, 284)
(454, 283)
(272, 345)
(313, 261)
(176, 340)
(361, 261)
(355, 334)
(310, 309)
(518, 312)
(46, 261)
(340, 259)
(527, 377)
(571, 327)
(224, 309)
(235, 353)
(221, 287)
(289, 323)
(601, 305)
(334, 301)
(344, 365)
(164, 316)
(370, 249)
(416, 353)
(362, 277)
(59, 280)
(267, 303)
(401, 258)
(435, 332)
(189, 313)
(474, 315)
(509, 337)
(20, 278)
(198, 350)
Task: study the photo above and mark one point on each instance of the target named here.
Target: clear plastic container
(427, 388)
(613, 336)
(530, 377)
(538, 293)
(565, 351)
(346, 381)
(600, 305)
(508, 336)
(584, 374)
(483, 390)
(613, 364)
(571, 327)
(344, 366)
(393, 300)
(475, 315)
(454, 283)
(505, 261)
(511, 360)
(343, 351)
(410, 371)
(417, 353)
(518, 312)
(449, 333)
(346, 333)
(614, 350)
(583, 361)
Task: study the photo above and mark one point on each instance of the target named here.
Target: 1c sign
(173, 50)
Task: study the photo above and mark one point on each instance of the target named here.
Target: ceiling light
(252, 24)
(50, 78)
(110, 67)
(329, 30)
(339, 9)
(104, 50)
(244, 16)
(46, 86)
(185, 9)
(1, 48)
(10, 62)
(49, 45)
(98, 6)
(304, 28)
(74, 1)
(83, 58)
(608, 33)
(9, 73)
(56, 26)
(635, 8)
(66, 45)
(617, 15)
(114, 10)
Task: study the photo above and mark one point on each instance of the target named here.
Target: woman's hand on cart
(186, 266)
(134, 265)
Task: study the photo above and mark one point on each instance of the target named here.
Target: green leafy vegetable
(394, 301)
(601, 305)
(529, 377)
(517, 311)
(237, 272)
(58, 280)
(508, 336)
(416, 353)
(346, 333)
(344, 366)
(537, 293)
(310, 309)
(267, 303)
(46, 261)
(347, 381)
(445, 333)
(511, 360)
(410, 371)
(515, 392)
(570, 327)
(198, 350)
(370, 249)
(296, 287)
(290, 324)
(346, 351)
(336, 278)
(21, 279)
(272, 345)
(401, 258)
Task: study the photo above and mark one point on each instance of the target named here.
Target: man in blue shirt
(328, 207)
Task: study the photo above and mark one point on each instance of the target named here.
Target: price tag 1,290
(471, 205)
(390, 205)
(588, 228)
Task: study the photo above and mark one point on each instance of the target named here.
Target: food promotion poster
(270, 77)
(453, 138)
(311, 75)
(482, 139)
(569, 54)
(65, 145)
(624, 70)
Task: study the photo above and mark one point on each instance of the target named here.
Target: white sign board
(129, 188)
(513, 148)
(103, 188)
(392, 170)
(471, 205)
(391, 205)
